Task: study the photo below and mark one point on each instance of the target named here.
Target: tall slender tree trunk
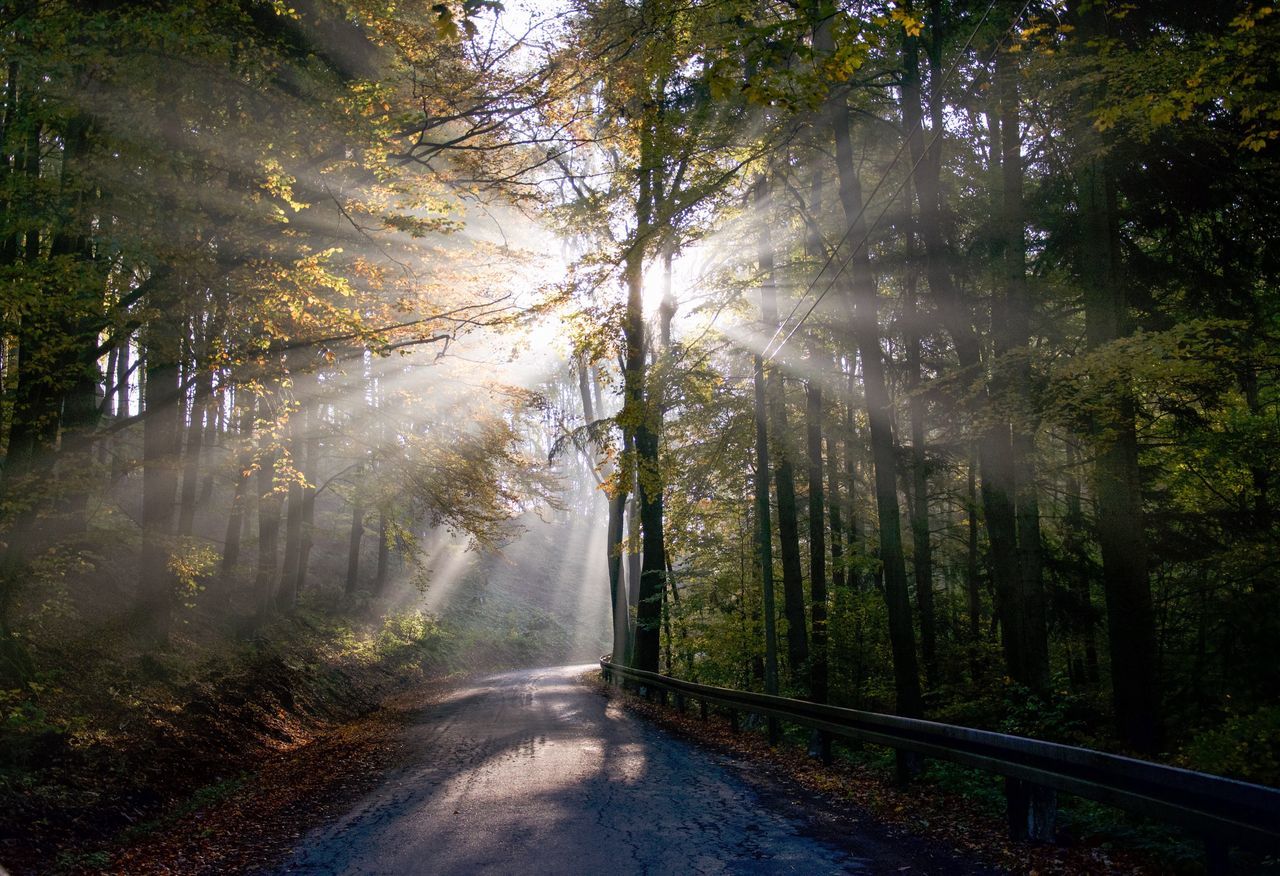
(861, 300)
(783, 470)
(634, 550)
(286, 594)
(1032, 809)
(1083, 667)
(269, 507)
(818, 669)
(995, 442)
(160, 433)
(109, 393)
(922, 548)
(231, 544)
(384, 552)
(764, 532)
(971, 577)
(853, 540)
(764, 528)
(310, 466)
(122, 379)
(592, 405)
(1012, 341)
(1131, 630)
(839, 579)
(353, 544)
(191, 453)
(640, 418)
(615, 541)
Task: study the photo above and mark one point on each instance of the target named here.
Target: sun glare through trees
(914, 356)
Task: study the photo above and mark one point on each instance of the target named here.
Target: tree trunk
(995, 444)
(353, 545)
(783, 472)
(160, 433)
(862, 304)
(972, 584)
(384, 552)
(192, 451)
(109, 395)
(640, 418)
(311, 446)
(231, 546)
(1083, 667)
(764, 533)
(617, 584)
(818, 680)
(922, 548)
(122, 379)
(1118, 486)
(838, 575)
(269, 507)
(286, 594)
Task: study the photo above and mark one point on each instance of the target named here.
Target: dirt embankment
(213, 771)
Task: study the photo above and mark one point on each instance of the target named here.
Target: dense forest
(917, 356)
(973, 416)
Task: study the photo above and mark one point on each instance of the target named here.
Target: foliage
(1245, 746)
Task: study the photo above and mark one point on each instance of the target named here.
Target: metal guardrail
(1223, 811)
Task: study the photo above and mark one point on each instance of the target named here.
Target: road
(535, 772)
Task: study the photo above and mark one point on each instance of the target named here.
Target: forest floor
(206, 756)
(261, 818)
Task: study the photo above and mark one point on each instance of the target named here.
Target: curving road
(534, 772)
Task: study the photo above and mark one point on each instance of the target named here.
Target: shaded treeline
(972, 409)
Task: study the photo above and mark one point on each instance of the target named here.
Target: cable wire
(769, 356)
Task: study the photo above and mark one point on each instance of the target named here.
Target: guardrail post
(820, 746)
(1032, 809)
(733, 720)
(702, 709)
(775, 730)
(680, 703)
(906, 765)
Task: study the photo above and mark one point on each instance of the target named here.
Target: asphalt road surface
(534, 772)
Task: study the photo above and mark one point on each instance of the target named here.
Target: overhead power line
(768, 354)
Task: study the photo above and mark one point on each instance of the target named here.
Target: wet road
(534, 772)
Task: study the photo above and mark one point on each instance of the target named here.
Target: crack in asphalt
(534, 772)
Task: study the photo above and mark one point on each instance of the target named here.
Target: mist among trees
(914, 356)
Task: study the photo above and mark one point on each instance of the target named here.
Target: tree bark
(1012, 342)
(353, 545)
(995, 442)
(971, 578)
(639, 417)
(783, 471)
(269, 507)
(231, 545)
(860, 298)
(191, 453)
(764, 532)
(1121, 527)
(384, 553)
(311, 447)
(160, 433)
(922, 548)
(617, 584)
(818, 669)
